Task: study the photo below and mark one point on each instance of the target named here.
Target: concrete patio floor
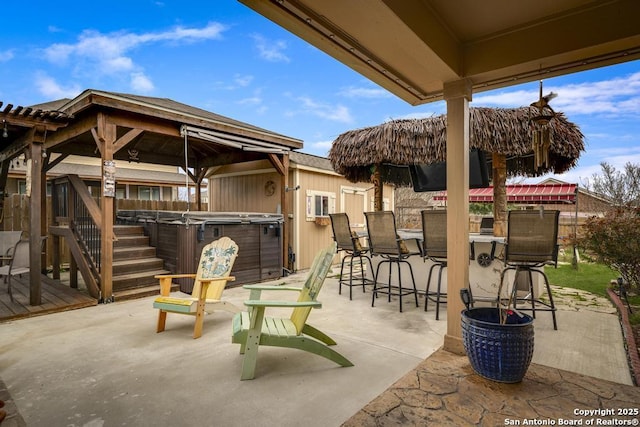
(106, 366)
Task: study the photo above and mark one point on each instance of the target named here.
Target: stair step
(136, 280)
(127, 266)
(124, 230)
(140, 292)
(133, 252)
(131, 240)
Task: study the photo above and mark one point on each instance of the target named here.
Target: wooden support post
(107, 136)
(378, 200)
(458, 95)
(35, 216)
(4, 171)
(282, 167)
(44, 227)
(499, 162)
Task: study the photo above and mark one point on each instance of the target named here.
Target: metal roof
(525, 193)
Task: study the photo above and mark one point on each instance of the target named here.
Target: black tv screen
(433, 177)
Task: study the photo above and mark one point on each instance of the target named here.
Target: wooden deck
(56, 296)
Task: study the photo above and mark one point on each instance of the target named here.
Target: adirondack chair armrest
(204, 286)
(292, 304)
(214, 279)
(256, 290)
(165, 281)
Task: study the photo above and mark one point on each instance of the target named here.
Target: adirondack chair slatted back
(216, 260)
(313, 284)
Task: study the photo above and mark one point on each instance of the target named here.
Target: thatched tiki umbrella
(365, 155)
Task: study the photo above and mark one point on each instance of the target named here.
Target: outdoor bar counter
(484, 271)
(180, 236)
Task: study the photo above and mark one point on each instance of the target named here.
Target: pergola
(427, 50)
(114, 126)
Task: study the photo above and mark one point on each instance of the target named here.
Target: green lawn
(589, 277)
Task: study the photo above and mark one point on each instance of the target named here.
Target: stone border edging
(634, 358)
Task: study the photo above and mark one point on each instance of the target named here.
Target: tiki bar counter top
(180, 236)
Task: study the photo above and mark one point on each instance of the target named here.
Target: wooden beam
(275, 161)
(89, 202)
(15, 119)
(50, 164)
(126, 139)
(99, 140)
(77, 128)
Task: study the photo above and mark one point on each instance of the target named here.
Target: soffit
(413, 47)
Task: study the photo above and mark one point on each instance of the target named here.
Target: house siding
(241, 188)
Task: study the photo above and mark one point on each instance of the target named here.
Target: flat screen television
(433, 177)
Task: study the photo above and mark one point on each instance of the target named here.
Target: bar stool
(384, 241)
(434, 248)
(532, 243)
(349, 243)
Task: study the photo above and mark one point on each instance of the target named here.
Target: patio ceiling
(413, 47)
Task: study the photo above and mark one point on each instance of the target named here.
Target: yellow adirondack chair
(215, 264)
(252, 329)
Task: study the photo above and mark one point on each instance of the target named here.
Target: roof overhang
(234, 141)
(414, 47)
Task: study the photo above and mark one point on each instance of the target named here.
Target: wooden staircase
(135, 264)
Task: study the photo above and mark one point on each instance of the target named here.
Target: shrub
(614, 239)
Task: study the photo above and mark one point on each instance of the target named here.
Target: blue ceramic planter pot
(497, 352)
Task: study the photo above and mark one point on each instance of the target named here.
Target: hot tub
(180, 236)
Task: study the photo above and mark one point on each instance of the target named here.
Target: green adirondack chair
(252, 328)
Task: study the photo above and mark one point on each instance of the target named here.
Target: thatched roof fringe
(495, 130)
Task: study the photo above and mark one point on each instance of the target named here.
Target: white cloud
(141, 83)
(242, 81)
(51, 89)
(108, 53)
(365, 92)
(272, 51)
(321, 147)
(613, 97)
(416, 115)
(336, 113)
(253, 100)
(6, 55)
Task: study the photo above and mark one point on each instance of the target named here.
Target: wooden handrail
(82, 191)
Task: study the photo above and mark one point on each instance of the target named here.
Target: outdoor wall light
(5, 131)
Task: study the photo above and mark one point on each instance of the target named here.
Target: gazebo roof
(504, 131)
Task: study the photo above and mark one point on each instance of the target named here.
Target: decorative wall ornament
(134, 156)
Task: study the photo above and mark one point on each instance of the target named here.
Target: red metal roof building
(524, 193)
(551, 192)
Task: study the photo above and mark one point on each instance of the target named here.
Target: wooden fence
(15, 216)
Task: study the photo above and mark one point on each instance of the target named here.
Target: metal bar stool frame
(532, 243)
(434, 248)
(349, 243)
(384, 241)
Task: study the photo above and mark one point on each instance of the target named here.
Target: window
(148, 193)
(320, 204)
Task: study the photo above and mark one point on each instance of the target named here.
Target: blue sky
(225, 58)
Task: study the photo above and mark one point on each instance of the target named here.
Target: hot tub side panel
(258, 250)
